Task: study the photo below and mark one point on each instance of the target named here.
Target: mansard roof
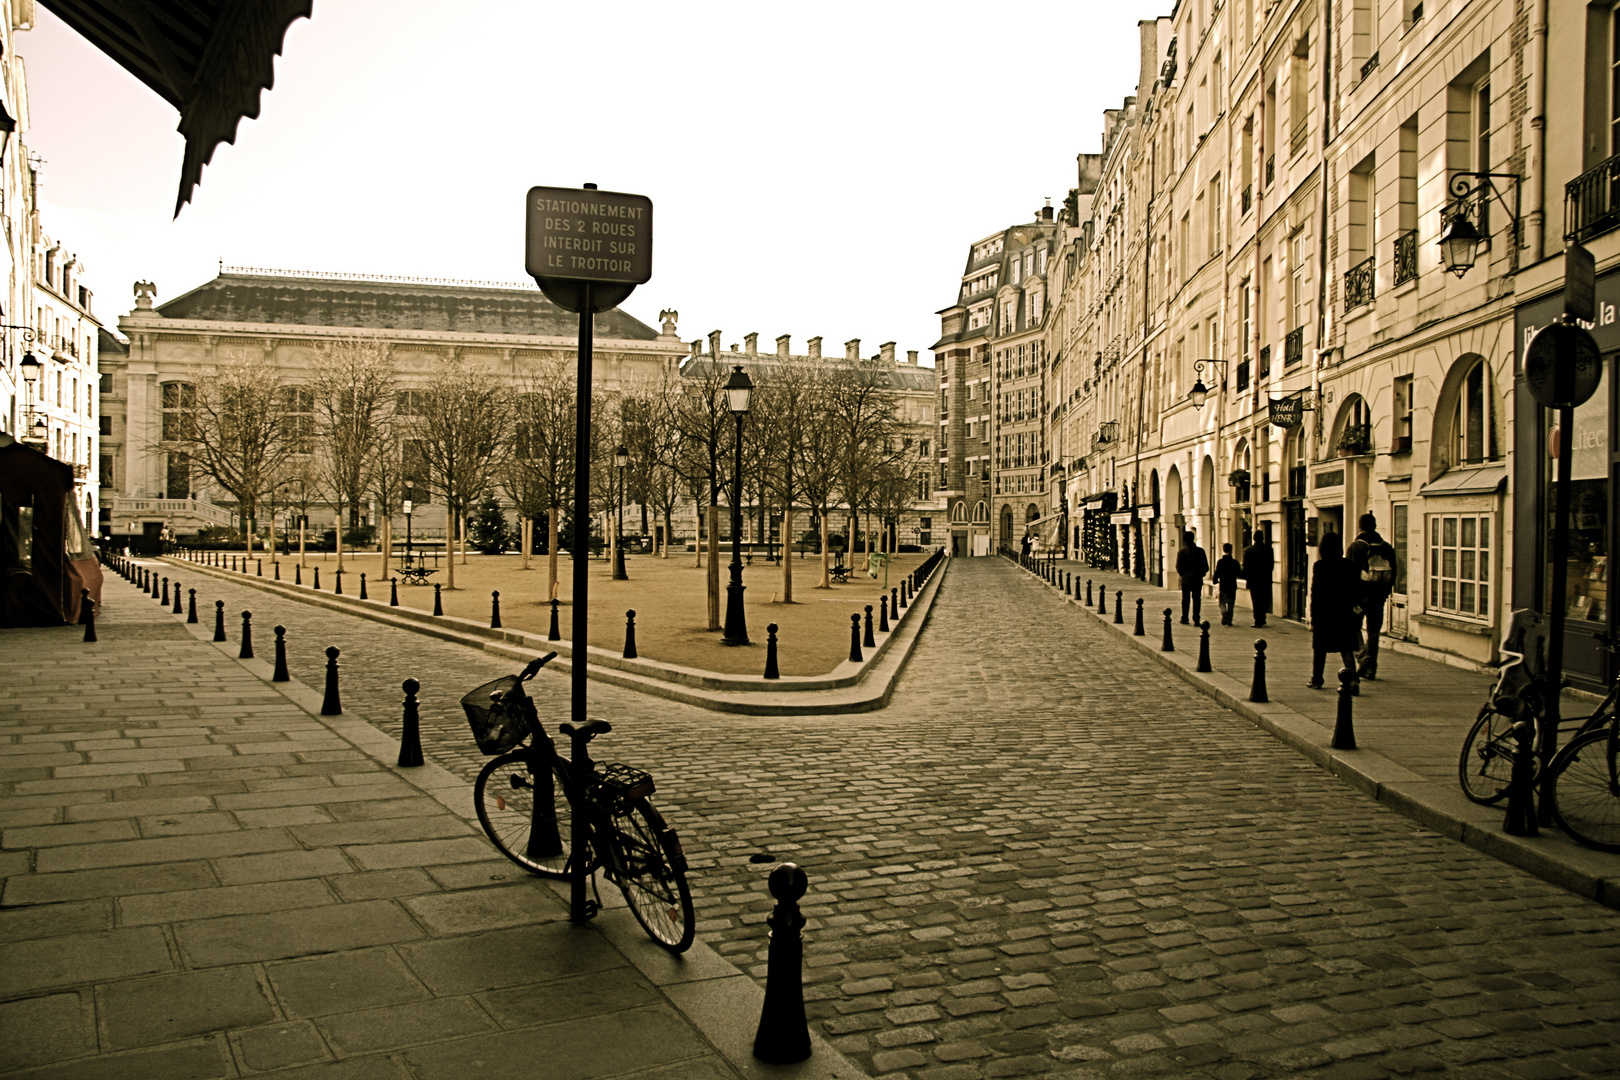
(762, 366)
(390, 304)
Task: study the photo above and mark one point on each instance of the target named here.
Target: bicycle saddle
(587, 731)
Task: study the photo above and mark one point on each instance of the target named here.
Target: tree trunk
(461, 524)
(450, 545)
(826, 566)
(385, 541)
(697, 531)
(714, 566)
(787, 554)
(337, 537)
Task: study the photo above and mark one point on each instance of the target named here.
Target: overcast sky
(815, 169)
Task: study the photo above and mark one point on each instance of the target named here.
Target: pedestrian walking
(1226, 575)
(1333, 609)
(1374, 560)
(1191, 567)
(1023, 547)
(1259, 560)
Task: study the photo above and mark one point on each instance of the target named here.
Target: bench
(839, 573)
(417, 575)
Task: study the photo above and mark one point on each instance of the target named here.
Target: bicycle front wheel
(505, 795)
(652, 875)
(1486, 764)
(1585, 792)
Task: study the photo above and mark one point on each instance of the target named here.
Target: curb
(1594, 875)
(849, 688)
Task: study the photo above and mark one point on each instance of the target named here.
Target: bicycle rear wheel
(504, 795)
(1584, 791)
(652, 875)
(1486, 763)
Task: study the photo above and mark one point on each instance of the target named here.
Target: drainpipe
(1535, 220)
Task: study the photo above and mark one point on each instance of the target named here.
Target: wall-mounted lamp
(1199, 392)
(1459, 238)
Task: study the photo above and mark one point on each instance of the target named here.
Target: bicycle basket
(618, 784)
(495, 728)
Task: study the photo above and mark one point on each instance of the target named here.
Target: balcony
(1243, 374)
(1271, 169)
(1265, 363)
(1248, 197)
(1293, 347)
(1406, 257)
(1360, 282)
(1370, 66)
(1592, 202)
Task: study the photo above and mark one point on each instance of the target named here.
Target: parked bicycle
(528, 796)
(1583, 787)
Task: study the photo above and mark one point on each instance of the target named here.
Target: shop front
(1593, 474)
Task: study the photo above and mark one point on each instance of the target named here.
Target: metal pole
(1556, 604)
(578, 909)
(736, 632)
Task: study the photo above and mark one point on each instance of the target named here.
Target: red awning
(210, 59)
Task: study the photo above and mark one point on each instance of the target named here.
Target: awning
(1480, 480)
(210, 59)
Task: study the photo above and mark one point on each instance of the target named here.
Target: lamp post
(738, 388)
(621, 458)
(406, 505)
(1459, 239)
(31, 372)
(1061, 475)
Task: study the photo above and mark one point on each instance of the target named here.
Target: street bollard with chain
(783, 1036)
(410, 740)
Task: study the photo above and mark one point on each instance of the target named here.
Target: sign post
(587, 250)
(1562, 368)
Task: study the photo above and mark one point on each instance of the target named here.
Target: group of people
(1349, 589)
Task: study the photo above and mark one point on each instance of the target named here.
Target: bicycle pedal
(592, 907)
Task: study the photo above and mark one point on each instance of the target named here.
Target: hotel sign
(1288, 412)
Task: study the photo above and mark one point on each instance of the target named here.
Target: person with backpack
(1374, 561)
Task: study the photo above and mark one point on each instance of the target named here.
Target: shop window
(1460, 564)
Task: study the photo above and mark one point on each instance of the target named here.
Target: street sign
(1562, 366)
(1580, 283)
(580, 242)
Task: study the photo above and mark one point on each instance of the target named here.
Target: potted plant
(1355, 440)
(1238, 478)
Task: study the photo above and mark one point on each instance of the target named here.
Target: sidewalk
(1409, 723)
(205, 878)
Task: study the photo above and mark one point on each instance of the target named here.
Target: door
(1296, 562)
(1396, 625)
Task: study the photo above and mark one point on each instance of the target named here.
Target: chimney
(886, 352)
(815, 348)
(782, 345)
(751, 343)
(1046, 212)
(911, 357)
(714, 343)
(852, 349)
(697, 348)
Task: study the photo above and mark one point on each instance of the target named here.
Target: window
(177, 477)
(1401, 441)
(1460, 564)
(414, 469)
(1299, 101)
(1473, 432)
(1299, 279)
(106, 424)
(298, 408)
(179, 407)
(1214, 204)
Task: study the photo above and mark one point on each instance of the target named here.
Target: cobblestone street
(1046, 857)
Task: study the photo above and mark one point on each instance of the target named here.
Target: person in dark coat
(1334, 622)
(1258, 562)
(1226, 575)
(1191, 567)
(1374, 560)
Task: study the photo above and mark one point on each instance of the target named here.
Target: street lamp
(621, 458)
(31, 372)
(406, 506)
(1460, 240)
(1061, 475)
(738, 388)
(1199, 392)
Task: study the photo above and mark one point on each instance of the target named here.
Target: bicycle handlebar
(534, 666)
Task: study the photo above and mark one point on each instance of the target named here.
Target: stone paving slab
(309, 909)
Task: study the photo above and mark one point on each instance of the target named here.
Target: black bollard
(363, 595)
(177, 607)
(191, 605)
(298, 574)
(337, 583)
(1169, 642)
(317, 585)
(410, 739)
(87, 614)
(247, 637)
(280, 674)
(771, 670)
(1140, 631)
(1344, 727)
(855, 637)
(554, 634)
(883, 613)
(1119, 607)
(393, 592)
(869, 641)
(276, 566)
(894, 603)
(784, 1036)
(330, 706)
(630, 634)
(219, 620)
(1203, 647)
(1257, 691)
(1088, 592)
(1102, 598)
(438, 605)
(164, 599)
(1521, 801)
(495, 609)
(260, 571)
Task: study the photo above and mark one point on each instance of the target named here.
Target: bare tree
(464, 420)
(545, 416)
(706, 429)
(657, 442)
(784, 414)
(354, 408)
(864, 409)
(235, 430)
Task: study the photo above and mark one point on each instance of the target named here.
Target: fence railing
(1360, 282)
(1406, 256)
(1592, 201)
(1294, 347)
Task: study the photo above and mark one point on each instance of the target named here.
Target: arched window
(958, 512)
(1353, 431)
(1465, 417)
(981, 513)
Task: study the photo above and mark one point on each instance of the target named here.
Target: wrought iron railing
(1248, 197)
(1243, 374)
(1370, 66)
(1592, 201)
(1294, 347)
(1265, 362)
(1406, 256)
(1271, 168)
(1360, 283)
